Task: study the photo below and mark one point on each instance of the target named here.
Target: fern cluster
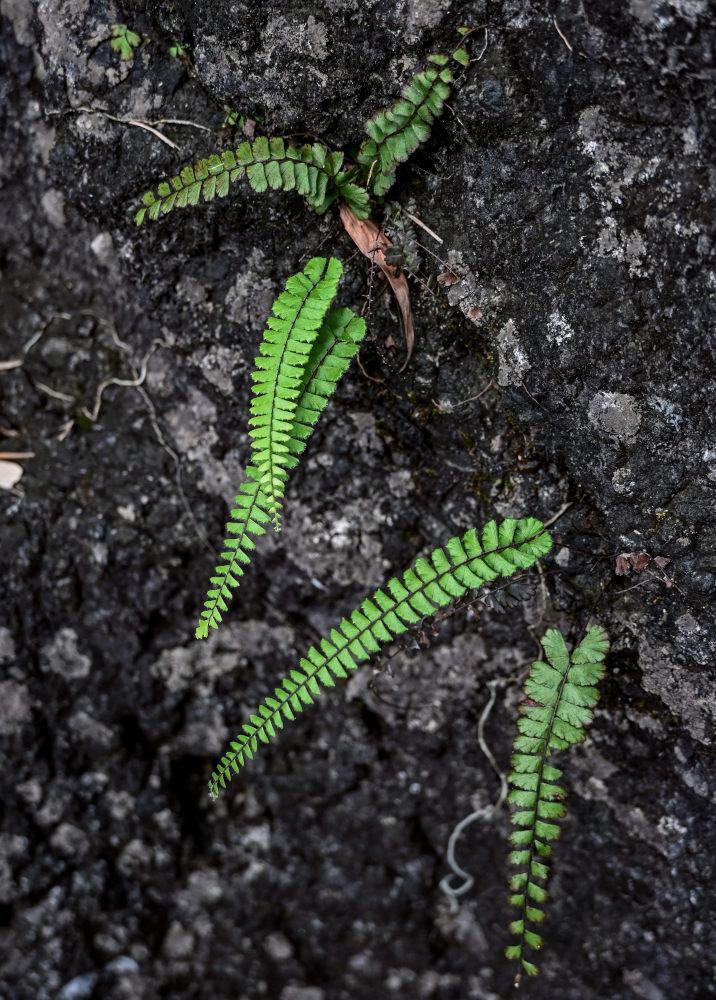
(464, 564)
(303, 354)
(314, 171)
(561, 694)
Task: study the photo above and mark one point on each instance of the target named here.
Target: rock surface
(573, 189)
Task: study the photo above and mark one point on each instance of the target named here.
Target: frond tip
(561, 694)
(464, 564)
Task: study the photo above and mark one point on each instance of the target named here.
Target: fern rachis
(561, 694)
(464, 564)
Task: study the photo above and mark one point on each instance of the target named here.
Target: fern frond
(562, 694)
(311, 170)
(278, 379)
(396, 132)
(464, 564)
(338, 340)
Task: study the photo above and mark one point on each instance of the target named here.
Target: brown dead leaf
(623, 567)
(662, 561)
(10, 474)
(371, 243)
(639, 560)
(448, 277)
(474, 314)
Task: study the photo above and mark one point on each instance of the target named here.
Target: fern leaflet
(395, 133)
(337, 341)
(311, 170)
(562, 694)
(464, 564)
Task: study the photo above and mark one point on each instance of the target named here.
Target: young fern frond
(311, 170)
(396, 132)
(337, 341)
(562, 694)
(288, 339)
(464, 564)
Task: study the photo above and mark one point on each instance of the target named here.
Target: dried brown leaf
(371, 243)
(639, 560)
(623, 567)
(448, 277)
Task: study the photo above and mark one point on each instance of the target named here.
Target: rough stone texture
(574, 192)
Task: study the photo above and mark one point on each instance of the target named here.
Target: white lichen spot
(127, 512)
(61, 656)
(558, 329)
(7, 646)
(513, 360)
(624, 481)
(14, 706)
(53, 205)
(616, 414)
(709, 457)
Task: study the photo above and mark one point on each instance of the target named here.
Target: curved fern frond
(311, 170)
(278, 379)
(338, 340)
(562, 694)
(396, 132)
(464, 564)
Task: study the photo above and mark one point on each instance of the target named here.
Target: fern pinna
(464, 564)
(303, 355)
(561, 694)
(312, 170)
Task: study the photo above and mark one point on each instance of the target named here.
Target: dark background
(572, 186)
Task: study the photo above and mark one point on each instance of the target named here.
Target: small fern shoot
(294, 380)
(464, 564)
(396, 132)
(561, 694)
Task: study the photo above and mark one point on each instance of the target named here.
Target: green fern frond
(464, 564)
(337, 341)
(278, 379)
(311, 170)
(396, 132)
(562, 694)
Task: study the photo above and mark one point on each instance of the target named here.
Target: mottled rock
(571, 187)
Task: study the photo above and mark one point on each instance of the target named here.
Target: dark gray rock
(573, 188)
